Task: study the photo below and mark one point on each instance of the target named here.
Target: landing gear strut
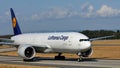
(59, 57)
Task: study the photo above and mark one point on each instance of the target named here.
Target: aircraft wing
(99, 38)
(4, 41)
(9, 42)
(7, 50)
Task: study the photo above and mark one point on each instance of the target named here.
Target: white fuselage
(56, 42)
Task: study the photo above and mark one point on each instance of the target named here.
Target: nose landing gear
(80, 57)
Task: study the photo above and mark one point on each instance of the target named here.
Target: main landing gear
(59, 57)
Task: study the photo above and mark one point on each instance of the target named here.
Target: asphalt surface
(7, 49)
(68, 63)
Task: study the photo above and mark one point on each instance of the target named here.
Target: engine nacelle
(87, 53)
(26, 51)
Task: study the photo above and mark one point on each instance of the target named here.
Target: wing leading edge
(99, 38)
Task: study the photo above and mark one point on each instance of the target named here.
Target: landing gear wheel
(79, 59)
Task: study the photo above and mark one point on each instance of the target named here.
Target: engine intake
(26, 51)
(87, 53)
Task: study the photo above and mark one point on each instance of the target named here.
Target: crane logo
(14, 22)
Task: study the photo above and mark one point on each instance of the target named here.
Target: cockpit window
(84, 40)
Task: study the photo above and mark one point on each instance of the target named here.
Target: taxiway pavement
(71, 63)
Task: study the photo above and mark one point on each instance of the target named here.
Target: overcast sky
(60, 15)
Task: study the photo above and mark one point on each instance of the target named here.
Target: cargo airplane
(57, 42)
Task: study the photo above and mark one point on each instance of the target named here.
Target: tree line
(91, 34)
(101, 33)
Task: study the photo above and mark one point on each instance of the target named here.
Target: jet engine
(87, 53)
(26, 51)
